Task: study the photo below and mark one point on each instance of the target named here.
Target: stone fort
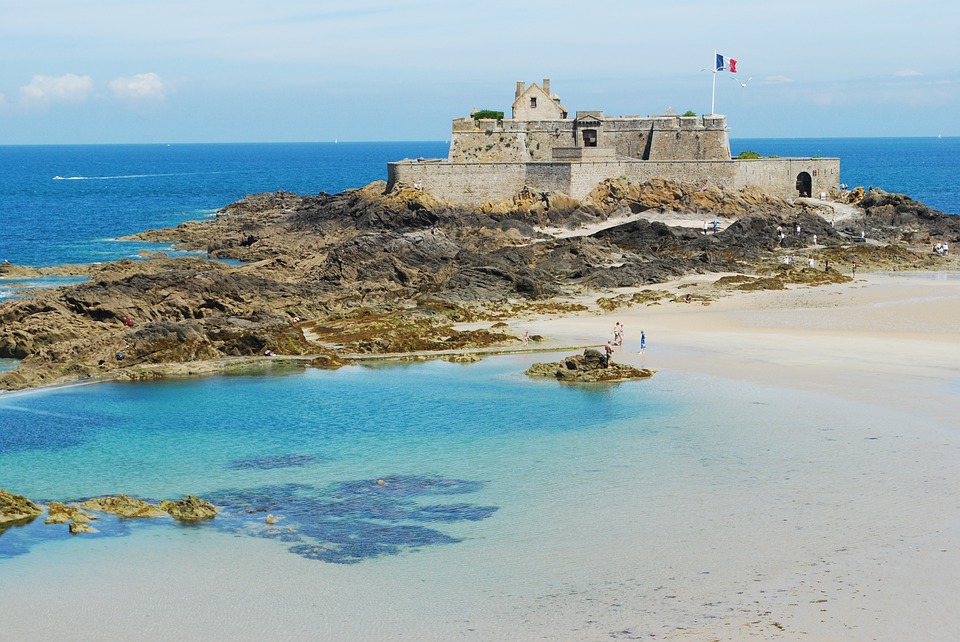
(541, 148)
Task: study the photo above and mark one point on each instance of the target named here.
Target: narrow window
(533, 102)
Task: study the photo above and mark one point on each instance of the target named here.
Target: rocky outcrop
(60, 513)
(189, 509)
(123, 506)
(16, 509)
(365, 271)
(77, 528)
(590, 367)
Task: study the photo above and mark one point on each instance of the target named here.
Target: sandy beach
(852, 533)
(884, 339)
(889, 341)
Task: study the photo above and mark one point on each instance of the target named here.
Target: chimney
(546, 86)
(519, 88)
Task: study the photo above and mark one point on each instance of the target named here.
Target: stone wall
(779, 175)
(477, 183)
(629, 137)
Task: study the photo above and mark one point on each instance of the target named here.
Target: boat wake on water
(126, 176)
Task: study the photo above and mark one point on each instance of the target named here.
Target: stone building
(541, 148)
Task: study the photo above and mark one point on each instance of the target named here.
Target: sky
(177, 71)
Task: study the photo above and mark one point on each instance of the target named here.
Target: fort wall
(628, 137)
(476, 183)
(492, 160)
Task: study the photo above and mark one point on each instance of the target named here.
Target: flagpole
(713, 94)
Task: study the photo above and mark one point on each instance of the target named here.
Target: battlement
(659, 137)
(541, 148)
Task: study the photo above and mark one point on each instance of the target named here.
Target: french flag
(731, 64)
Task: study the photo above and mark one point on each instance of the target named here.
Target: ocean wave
(126, 176)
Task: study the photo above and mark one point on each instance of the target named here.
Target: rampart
(476, 183)
(492, 160)
(668, 137)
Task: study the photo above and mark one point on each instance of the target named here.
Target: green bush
(690, 113)
(748, 155)
(487, 113)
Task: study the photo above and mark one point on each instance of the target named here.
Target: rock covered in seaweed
(123, 506)
(366, 271)
(17, 508)
(189, 509)
(590, 367)
(60, 513)
(77, 528)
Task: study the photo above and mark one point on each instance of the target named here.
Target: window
(533, 102)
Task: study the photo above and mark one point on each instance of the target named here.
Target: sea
(441, 499)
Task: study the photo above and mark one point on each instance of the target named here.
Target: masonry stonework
(493, 160)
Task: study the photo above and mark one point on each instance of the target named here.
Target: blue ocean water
(65, 204)
(452, 444)
(922, 168)
(107, 191)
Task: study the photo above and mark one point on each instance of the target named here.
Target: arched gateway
(804, 184)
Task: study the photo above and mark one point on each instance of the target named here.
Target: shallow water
(558, 502)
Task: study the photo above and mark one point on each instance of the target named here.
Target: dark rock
(589, 367)
(376, 266)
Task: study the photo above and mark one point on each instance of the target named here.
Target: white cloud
(906, 73)
(67, 88)
(148, 86)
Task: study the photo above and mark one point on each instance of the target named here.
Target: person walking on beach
(617, 334)
(526, 338)
(643, 341)
(608, 350)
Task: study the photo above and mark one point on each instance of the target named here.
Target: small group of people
(618, 341)
(617, 334)
(941, 248)
(714, 224)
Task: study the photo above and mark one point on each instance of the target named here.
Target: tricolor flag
(731, 63)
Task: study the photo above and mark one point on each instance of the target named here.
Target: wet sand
(889, 342)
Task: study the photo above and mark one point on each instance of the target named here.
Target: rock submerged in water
(77, 528)
(189, 509)
(17, 508)
(589, 367)
(60, 513)
(123, 506)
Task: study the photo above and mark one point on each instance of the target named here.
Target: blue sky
(130, 71)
